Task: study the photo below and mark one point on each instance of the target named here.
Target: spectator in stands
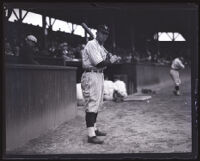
(136, 56)
(71, 52)
(52, 50)
(42, 52)
(78, 51)
(129, 58)
(148, 55)
(28, 50)
(16, 47)
(63, 51)
(8, 49)
(155, 58)
(166, 59)
(16, 50)
(82, 48)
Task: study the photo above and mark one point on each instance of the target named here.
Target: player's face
(30, 43)
(181, 58)
(102, 36)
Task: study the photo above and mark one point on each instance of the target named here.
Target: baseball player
(176, 66)
(94, 60)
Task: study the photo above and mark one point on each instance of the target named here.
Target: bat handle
(110, 55)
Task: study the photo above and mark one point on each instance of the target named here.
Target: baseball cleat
(99, 133)
(178, 93)
(94, 140)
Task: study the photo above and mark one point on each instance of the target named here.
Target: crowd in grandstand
(58, 46)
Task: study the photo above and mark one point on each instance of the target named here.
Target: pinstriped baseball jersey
(93, 54)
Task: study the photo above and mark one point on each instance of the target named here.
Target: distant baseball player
(94, 60)
(176, 66)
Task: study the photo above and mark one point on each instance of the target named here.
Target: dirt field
(161, 125)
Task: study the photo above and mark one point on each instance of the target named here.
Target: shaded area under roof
(97, 12)
(146, 19)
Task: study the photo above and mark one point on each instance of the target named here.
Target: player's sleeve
(181, 64)
(93, 53)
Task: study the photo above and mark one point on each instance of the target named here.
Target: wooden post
(132, 34)
(49, 21)
(44, 31)
(193, 30)
(113, 34)
(132, 38)
(20, 15)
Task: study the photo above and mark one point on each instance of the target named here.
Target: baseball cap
(103, 29)
(31, 38)
(63, 44)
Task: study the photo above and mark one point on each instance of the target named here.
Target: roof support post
(158, 46)
(133, 85)
(44, 31)
(9, 12)
(192, 28)
(53, 22)
(25, 15)
(15, 14)
(132, 35)
(49, 21)
(18, 24)
(72, 32)
(113, 33)
(20, 15)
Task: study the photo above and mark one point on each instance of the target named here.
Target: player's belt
(94, 70)
(174, 68)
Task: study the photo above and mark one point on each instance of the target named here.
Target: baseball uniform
(176, 66)
(92, 81)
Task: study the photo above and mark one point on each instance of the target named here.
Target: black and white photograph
(100, 78)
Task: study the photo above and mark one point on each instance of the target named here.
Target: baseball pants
(92, 86)
(175, 77)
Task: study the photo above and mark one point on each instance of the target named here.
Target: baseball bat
(87, 30)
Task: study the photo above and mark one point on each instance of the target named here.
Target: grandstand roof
(77, 12)
(146, 18)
